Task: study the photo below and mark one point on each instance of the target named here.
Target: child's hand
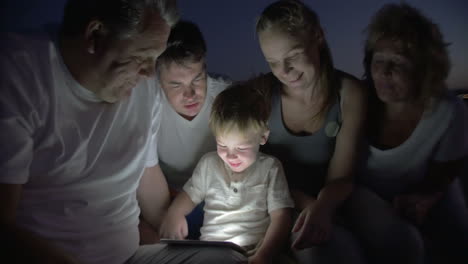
(174, 227)
(260, 259)
(313, 227)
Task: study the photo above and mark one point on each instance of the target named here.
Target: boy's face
(240, 151)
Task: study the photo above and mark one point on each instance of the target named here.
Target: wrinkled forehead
(391, 44)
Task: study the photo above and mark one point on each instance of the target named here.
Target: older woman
(316, 121)
(418, 142)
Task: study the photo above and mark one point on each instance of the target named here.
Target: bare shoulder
(353, 95)
(352, 89)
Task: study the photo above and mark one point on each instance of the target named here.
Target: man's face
(123, 62)
(184, 86)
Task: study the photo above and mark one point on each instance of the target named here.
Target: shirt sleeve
(152, 158)
(278, 191)
(454, 144)
(18, 117)
(195, 187)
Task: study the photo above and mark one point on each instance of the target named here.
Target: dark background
(228, 26)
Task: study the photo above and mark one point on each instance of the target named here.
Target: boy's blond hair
(243, 107)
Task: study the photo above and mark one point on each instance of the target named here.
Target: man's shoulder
(209, 157)
(25, 43)
(217, 83)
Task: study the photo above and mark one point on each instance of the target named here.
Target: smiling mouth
(235, 165)
(297, 79)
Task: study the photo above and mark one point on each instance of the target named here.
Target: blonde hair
(422, 43)
(243, 107)
(299, 21)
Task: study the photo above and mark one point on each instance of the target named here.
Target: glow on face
(185, 87)
(289, 59)
(239, 151)
(125, 62)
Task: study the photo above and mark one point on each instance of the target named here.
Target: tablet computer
(189, 242)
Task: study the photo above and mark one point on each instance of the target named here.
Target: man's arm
(174, 225)
(153, 198)
(20, 245)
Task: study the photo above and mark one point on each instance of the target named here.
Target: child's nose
(231, 155)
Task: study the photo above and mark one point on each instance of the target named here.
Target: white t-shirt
(441, 135)
(181, 143)
(238, 211)
(79, 159)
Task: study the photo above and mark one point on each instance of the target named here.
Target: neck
(77, 61)
(403, 110)
(312, 93)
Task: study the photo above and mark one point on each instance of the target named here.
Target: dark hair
(421, 41)
(123, 18)
(299, 21)
(185, 44)
(242, 106)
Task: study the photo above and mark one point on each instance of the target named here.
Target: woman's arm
(340, 172)
(275, 237)
(314, 224)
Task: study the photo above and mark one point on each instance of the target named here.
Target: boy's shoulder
(210, 158)
(268, 161)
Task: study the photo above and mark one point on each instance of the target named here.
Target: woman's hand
(415, 207)
(260, 259)
(174, 227)
(313, 227)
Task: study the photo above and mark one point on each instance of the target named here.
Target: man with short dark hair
(186, 103)
(189, 92)
(79, 114)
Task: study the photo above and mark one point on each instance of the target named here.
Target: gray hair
(122, 18)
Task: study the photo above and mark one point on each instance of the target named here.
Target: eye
(138, 60)
(294, 56)
(197, 80)
(221, 146)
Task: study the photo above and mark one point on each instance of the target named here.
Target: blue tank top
(305, 158)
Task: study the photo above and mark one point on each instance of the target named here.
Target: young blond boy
(246, 195)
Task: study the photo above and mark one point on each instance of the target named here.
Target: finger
(184, 231)
(299, 222)
(303, 235)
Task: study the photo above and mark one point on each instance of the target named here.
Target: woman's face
(392, 72)
(292, 60)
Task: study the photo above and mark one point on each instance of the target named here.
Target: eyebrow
(141, 51)
(296, 47)
(199, 75)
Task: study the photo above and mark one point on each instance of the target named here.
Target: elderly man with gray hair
(79, 115)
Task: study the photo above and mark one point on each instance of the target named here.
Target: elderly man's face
(124, 62)
(185, 86)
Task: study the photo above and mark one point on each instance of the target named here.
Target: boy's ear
(93, 36)
(264, 137)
